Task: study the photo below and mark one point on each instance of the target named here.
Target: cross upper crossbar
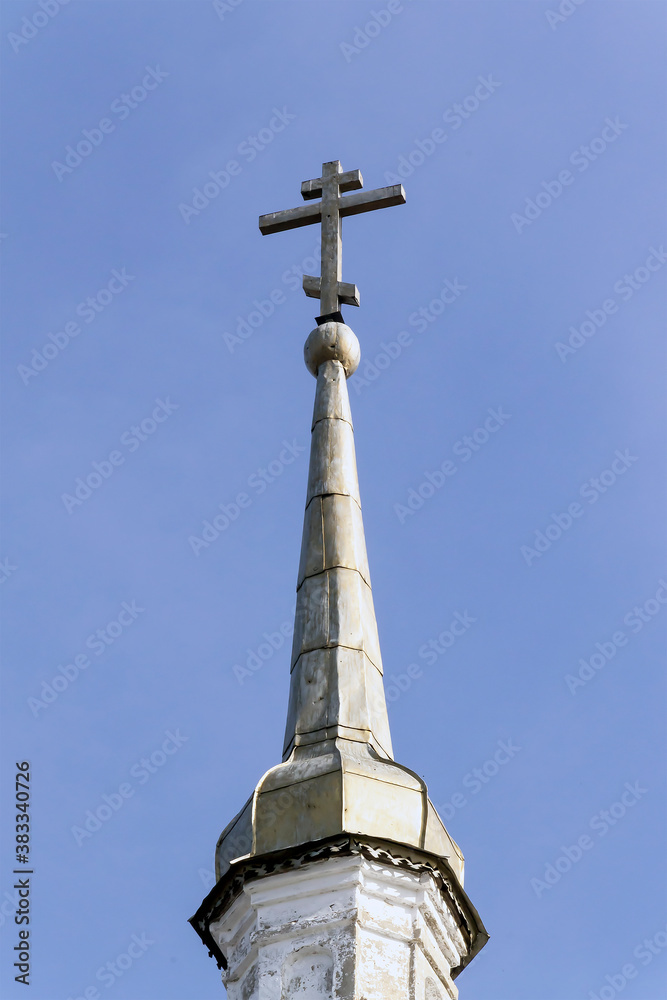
(329, 287)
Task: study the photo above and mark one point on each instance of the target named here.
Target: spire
(337, 776)
(338, 794)
(336, 687)
(338, 869)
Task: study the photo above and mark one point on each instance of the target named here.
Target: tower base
(353, 926)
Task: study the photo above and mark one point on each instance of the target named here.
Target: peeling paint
(346, 928)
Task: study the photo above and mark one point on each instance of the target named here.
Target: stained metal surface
(334, 600)
(331, 787)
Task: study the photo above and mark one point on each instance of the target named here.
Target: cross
(329, 288)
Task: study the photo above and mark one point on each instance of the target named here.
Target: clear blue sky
(532, 151)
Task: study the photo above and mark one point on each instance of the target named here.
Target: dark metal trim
(335, 317)
(231, 884)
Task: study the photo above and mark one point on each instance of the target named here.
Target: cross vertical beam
(331, 266)
(329, 212)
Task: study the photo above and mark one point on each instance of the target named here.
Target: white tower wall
(348, 928)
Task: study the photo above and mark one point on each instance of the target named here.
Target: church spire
(337, 879)
(336, 685)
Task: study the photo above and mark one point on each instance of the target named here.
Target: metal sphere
(332, 342)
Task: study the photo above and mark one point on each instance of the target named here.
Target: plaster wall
(340, 929)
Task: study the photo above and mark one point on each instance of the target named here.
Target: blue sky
(531, 144)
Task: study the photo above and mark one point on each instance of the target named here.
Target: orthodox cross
(329, 288)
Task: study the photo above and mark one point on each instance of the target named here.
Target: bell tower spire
(336, 685)
(337, 880)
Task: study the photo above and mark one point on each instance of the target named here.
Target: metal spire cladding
(336, 670)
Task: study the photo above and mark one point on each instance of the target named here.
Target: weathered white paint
(340, 929)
